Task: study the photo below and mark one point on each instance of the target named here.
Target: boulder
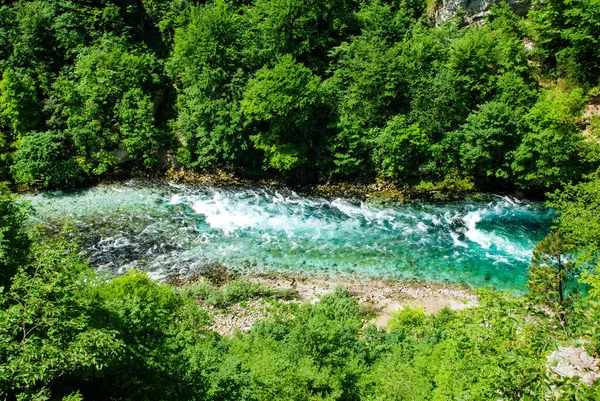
(574, 361)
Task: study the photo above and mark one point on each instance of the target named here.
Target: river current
(172, 230)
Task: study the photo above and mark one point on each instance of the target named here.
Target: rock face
(591, 120)
(574, 361)
(474, 11)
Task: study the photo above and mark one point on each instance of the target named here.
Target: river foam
(169, 229)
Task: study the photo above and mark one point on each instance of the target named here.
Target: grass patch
(203, 291)
(235, 291)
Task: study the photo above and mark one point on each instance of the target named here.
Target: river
(172, 230)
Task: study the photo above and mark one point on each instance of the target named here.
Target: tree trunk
(561, 296)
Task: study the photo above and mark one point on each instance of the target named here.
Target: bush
(14, 242)
(407, 318)
(47, 331)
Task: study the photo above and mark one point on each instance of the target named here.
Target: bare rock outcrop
(474, 11)
(574, 361)
(591, 120)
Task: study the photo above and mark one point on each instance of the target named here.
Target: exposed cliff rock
(590, 122)
(473, 11)
(574, 362)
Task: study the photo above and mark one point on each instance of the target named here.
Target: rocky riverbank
(380, 297)
(377, 192)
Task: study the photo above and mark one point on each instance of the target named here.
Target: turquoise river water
(177, 230)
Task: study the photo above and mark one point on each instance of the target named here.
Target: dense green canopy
(297, 89)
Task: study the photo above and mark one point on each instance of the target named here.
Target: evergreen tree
(551, 271)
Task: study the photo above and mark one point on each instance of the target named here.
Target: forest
(299, 91)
